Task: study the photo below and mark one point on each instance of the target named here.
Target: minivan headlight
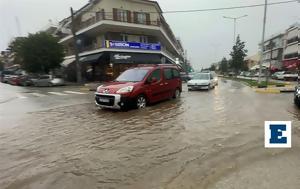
(127, 89)
(98, 88)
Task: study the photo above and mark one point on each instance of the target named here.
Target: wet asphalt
(54, 138)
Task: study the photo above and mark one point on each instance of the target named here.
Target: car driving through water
(203, 80)
(140, 86)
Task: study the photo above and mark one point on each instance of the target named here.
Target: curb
(274, 91)
(267, 91)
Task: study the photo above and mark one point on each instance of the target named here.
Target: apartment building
(273, 52)
(291, 47)
(117, 34)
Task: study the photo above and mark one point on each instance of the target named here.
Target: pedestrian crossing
(58, 93)
(46, 94)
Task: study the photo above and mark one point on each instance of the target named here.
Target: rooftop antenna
(18, 26)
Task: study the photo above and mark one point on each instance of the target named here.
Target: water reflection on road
(206, 139)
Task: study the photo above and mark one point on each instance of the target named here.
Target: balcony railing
(293, 55)
(110, 17)
(292, 40)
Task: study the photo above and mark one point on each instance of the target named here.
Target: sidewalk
(85, 86)
(289, 86)
(276, 90)
(91, 86)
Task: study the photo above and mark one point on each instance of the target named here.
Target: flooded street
(207, 139)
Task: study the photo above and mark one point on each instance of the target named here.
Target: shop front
(291, 65)
(121, 61)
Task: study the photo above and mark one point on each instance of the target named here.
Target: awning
(67, 62)
(90, 58)
(291, 64)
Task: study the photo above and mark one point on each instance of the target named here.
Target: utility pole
(75, 39)
(262, 42)
(271, 46)
(234, 26)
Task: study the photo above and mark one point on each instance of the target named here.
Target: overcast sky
(207, 36)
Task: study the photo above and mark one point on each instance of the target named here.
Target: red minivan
(140, 86)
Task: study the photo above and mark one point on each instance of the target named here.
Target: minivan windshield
(132, 75)
(203, 76)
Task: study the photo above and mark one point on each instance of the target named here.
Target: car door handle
(166, 83)
(161, 84)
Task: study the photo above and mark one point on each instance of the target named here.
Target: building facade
(273, 52)
(252, 60)
(116, 34)
(291, 47)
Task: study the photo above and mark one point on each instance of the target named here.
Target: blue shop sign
(132, 45)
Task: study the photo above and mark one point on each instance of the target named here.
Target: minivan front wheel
(177, 93)
(141, 102)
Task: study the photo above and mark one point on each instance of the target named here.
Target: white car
(278, 75)
(290, 76)
(203, 81)
(47, 81)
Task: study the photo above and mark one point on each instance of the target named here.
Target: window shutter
(115, 14)
(129, 16)
(148, 22)
(135, 17)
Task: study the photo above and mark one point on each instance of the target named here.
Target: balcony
(109, 16)
(102, 17)
(292, 40)
(291, 56)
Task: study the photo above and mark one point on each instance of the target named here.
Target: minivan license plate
(103, 99)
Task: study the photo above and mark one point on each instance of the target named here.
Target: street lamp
(262, 42)
(234, 21)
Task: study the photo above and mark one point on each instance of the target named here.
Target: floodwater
(207, 139)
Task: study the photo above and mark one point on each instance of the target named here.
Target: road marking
(74, 92)
(57, 93)
(37, 94)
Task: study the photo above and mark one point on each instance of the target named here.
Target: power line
(229, 8)
(212, 9)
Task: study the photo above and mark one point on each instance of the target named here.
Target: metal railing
(109, 16)
(292, 40)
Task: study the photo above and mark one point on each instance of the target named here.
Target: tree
(224, 65)
(212, 67)
(38, 53)
(238, 54)
(16, 46)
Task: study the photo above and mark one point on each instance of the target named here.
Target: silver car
(48, 81)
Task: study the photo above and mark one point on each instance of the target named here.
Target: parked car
(140, 86)
(290, 76)
(203, 81)
(5, 76)
(184, 76)
(28, 80)
(297, 96)
(14, 79)
(278, 75)
(47, 81)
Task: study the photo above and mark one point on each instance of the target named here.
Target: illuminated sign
(132, 45)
